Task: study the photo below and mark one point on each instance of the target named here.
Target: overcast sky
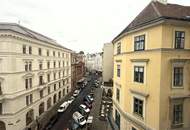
(77, 24)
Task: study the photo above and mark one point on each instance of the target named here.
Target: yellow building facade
(152, 71)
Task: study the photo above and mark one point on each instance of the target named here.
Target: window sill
(180, 125)
(177, 87)
(138, 116)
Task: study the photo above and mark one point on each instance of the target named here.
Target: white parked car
(71, 99)
(85, 108)
(63, 107)
(79, 119)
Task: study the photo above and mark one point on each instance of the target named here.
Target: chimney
(161, 1)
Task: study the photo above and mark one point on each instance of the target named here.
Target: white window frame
(143, 64)
(178, 64)
(144, 106)
(145, 44)
(179, 29)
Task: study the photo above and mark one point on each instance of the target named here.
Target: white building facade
(35, 74)
(93, 62)
(107, 62)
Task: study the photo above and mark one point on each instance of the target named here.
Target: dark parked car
(52, 121)
(89, 105)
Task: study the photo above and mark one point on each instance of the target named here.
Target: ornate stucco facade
(35, 74)
(151, 70)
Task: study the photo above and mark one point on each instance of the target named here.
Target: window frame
(181, 83)
(176, 46)
(118, 51)
(138, 74)
(139, 42)
(142, 106)
(118, 70)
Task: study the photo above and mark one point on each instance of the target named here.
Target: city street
(64, 120)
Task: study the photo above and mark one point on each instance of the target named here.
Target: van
(79, 119)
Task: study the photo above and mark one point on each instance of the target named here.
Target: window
(41, 108)
(49, 89)
(117, 118)
(59, 74)
(1, 108)
(24, 49)
(47, 52)
(1, 89)
(119, 48)
(58, 54)
(59, 84)
(40, 80)
(48, 64)
(178, 76)
(118, 71)
(59, 94)
(134, 128)
(138, 107)
(30, 82)
(139, 74)
(40, 66)
(59, 64)
(63, 55)
(63, 92)
(26, 83)
(117, 94)
(53, 53)
(54, 64)
(139, 44)
(54, 75)
(40, 51)
(48, 77)
(54, 87)
(29, 99)
(30, 66)
(178, 114)
(179, 39)
(41, 94)
(54, 98)
(63, 63)
(30, 50)
(26, 66)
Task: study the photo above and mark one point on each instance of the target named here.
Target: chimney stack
(161, 1)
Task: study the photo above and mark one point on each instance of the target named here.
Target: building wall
(107, 62)
(13, 75)
(156, 89)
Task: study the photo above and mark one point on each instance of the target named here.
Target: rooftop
(156, 11)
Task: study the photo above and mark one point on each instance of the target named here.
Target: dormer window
(179, 39)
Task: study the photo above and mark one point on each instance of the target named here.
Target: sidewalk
(95, 112)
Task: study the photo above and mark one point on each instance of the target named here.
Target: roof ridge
(156, 9)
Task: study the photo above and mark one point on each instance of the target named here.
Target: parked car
(87, 99)
(79, 119)
(76, 93)
(90, 98)
(85, 108)
(71, 99)
(52, 121)
(63, 107)
(89, 105)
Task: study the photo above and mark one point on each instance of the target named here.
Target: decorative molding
(139, 60)
(118, 60)
(173, 97)
(139, 93)
(183, 60)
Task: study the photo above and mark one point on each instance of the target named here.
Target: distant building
(35, 74)
(93, 62)
(107, 62)
(78, 68)
(152, 70)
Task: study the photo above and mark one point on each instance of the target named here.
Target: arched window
(29, 117)
(41, 108)
(54, 99)
(49, 103)
(2, 125)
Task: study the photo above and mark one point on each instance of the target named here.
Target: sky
(80, 25)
